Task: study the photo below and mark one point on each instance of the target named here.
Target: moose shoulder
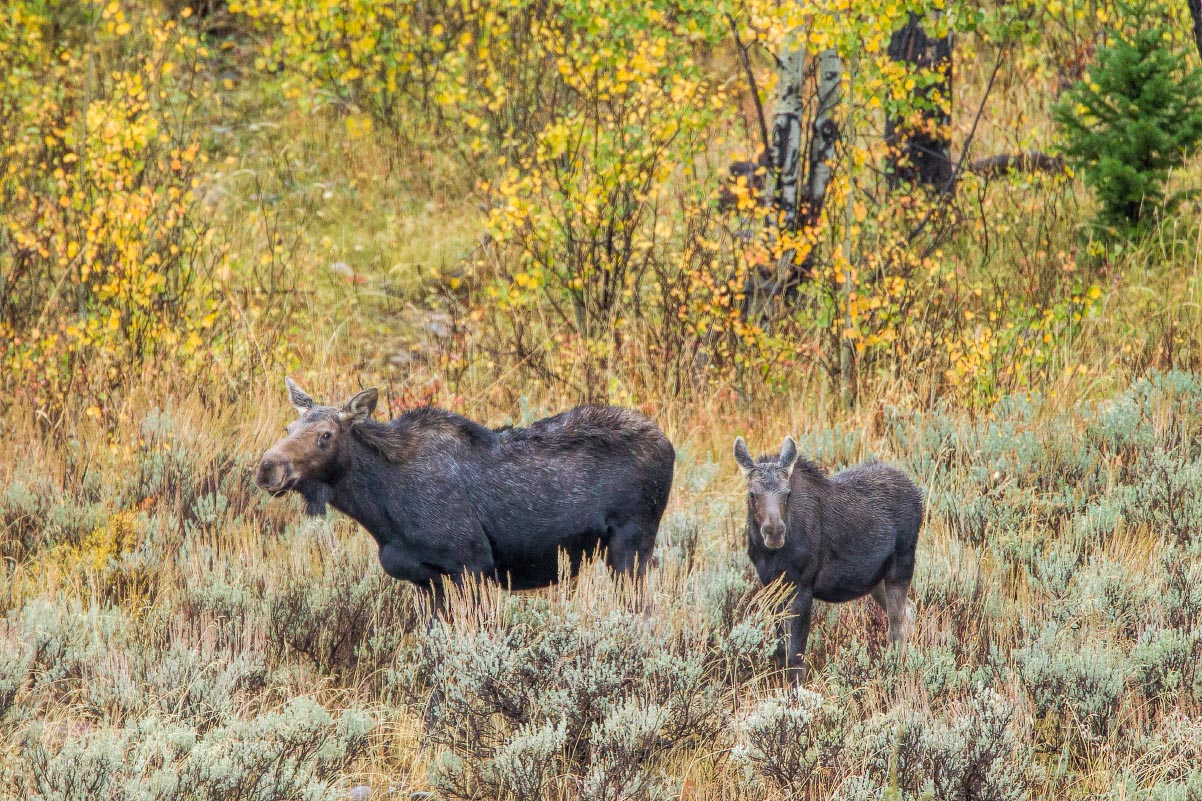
(444, 496)
(832, 539)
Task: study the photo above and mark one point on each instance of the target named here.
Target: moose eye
(325, 436)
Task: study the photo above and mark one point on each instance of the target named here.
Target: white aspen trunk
(847, 356)
(826, 132)
(786, 137)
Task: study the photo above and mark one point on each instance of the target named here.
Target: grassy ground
(159, 601)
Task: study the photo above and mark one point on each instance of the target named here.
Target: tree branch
(1001, 56)
(1024, 161)
(755, 92)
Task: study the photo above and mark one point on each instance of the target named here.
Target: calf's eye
(325, 436)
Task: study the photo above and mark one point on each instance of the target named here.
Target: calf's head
(768, 489)
(314, 447)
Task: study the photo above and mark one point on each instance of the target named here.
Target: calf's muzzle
(774, 535)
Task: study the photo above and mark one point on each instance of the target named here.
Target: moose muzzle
(275, 474)
(774, 535)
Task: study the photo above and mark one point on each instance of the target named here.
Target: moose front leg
(799, 634)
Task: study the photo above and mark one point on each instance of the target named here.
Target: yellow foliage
(99, 562)
(105, 266)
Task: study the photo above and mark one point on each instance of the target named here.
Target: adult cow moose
(446, 497)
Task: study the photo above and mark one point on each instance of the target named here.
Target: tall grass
(158, 601)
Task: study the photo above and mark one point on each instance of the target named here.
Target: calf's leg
(799, 634)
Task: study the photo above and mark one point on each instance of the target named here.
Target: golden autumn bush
(106, 262)
(596, 135)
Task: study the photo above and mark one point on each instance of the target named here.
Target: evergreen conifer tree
(1136, 115)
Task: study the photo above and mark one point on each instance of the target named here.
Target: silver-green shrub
(1174, 746)
(1165, 664)
(623, 748)
(295, 752)
(977, 752)
(1181, 589)
(16, 664)
(790, 740)
(1082, 684)
(1124, 601)
(614, 698)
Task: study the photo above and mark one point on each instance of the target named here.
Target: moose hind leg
(878, 595)
(899, 610)
(630, 547)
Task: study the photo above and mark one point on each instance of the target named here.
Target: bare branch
(1024, 161)
(745, 58)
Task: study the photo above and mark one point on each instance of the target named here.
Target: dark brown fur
(445, 496)
(832, 538)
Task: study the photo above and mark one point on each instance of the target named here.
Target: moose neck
(365, 488)
(810, 473)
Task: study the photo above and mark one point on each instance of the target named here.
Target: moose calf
(834, 539)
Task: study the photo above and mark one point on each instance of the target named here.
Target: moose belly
(846, 581)
(531, 559)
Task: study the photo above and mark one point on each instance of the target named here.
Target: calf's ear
(788, 455)
(298, 398)
(360, 407)
(743, 457)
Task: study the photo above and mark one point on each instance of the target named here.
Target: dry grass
(160, 579)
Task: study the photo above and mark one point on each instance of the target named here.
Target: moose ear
(788, 455)
(743, 457)
(300, 401)
(360, 407)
